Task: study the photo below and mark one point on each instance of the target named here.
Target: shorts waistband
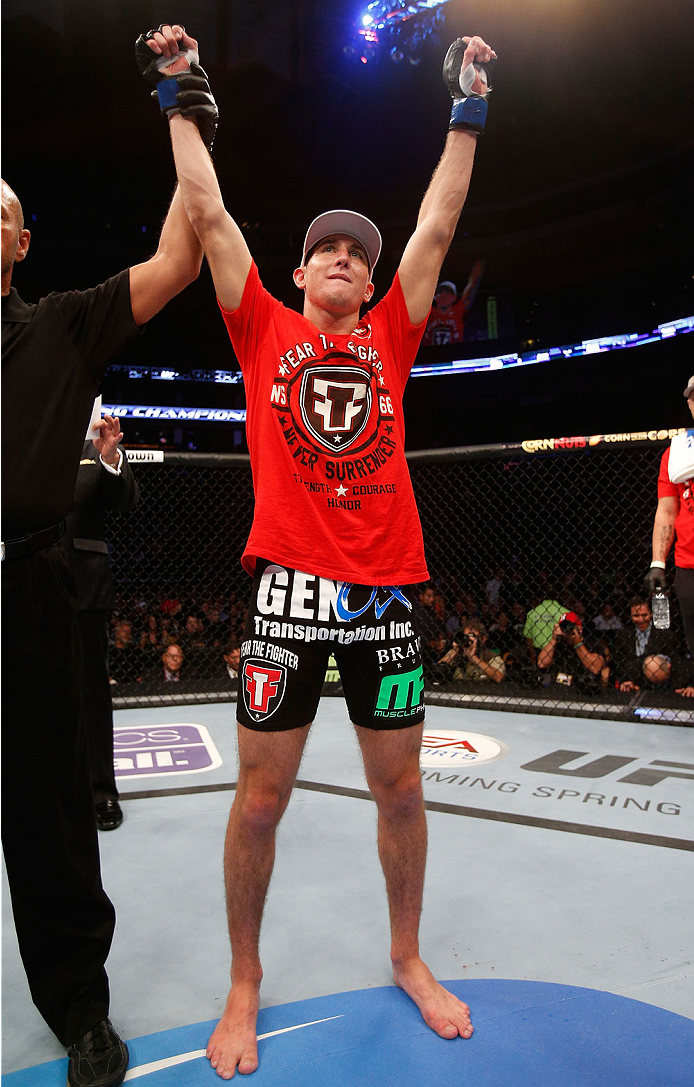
(33, 541)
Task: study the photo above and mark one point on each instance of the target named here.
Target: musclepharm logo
(400, 695)
(263, 687)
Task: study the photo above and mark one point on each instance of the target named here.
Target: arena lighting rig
(495, 362)
(404, 25)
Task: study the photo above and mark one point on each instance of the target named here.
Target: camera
(468, 640)
(567, 626)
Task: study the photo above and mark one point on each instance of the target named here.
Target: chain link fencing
(516, 536)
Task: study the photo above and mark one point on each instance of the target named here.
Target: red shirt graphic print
(325, 432)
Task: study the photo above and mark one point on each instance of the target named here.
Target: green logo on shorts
(400, 695)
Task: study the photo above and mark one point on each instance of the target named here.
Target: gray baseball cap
(690, 387)
(345, 222)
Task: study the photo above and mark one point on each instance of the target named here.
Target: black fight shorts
(296, 621)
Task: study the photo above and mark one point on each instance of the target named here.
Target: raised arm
(448, 188)
(175, 264)
(189, 109)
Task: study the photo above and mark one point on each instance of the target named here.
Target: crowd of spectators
(591, 633)
(195, 643)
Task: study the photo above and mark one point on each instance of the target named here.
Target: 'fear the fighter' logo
(263, 687)
(335, 404)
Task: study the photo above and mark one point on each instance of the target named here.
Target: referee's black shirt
(54, 354)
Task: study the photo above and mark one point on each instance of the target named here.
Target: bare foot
(441, 1010)
(233, 1041)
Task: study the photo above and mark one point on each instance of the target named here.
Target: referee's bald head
(10, 198)
(15, 239)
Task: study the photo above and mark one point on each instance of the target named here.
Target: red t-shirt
(326, 432)
(684, 524)
(443, 328)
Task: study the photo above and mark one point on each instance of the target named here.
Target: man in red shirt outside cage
(446, 322)
(336, 546)
(674, 520)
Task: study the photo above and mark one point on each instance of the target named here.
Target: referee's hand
(110, 435)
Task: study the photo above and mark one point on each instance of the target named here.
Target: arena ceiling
(584, 173)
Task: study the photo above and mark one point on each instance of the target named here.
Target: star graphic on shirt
(283, 421)
(337, 439)
(284, 369)
(340, 491)
(381, 379)
(389, 429)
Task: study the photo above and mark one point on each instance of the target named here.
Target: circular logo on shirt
(449, 747)
(335, 404)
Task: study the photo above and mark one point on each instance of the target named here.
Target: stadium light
(412, 23)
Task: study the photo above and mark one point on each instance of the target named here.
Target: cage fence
(516, 536)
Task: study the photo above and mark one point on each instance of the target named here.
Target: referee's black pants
(96, 701)
(63, 918)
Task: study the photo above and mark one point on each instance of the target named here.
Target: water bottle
(661, 610)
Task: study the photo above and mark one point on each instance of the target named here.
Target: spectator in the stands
(440, 605)
(172, 609)
(470, 659)
(456, 619)
(508, 638)
(216, 628)
(232, 659)
(503, 634)
(541, 621)
(150, 640)
(569, 658)
(518, 617)
(471, 605)
(594, 596)
(431, 628)
(516, 588)
(543, 583)
(643, 655)
(172, 661)
(607, 621)
(168, 631)
(494, 586)
(193, 634)
(125, 658)
(446, 322)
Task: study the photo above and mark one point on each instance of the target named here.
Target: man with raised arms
(330, 555)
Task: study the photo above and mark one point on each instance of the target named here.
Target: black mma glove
(469, 109)
(187, 92)
(655, 579)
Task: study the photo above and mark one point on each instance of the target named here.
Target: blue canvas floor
(528, 1033)
(558, 857)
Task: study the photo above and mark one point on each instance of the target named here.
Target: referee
(54, 354)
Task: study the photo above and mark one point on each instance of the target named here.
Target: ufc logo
(338, 403)
(262, 684)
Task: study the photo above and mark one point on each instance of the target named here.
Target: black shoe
(109, 814)
(99, 1058)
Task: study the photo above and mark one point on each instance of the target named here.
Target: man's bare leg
(391, 761)
(268, 765)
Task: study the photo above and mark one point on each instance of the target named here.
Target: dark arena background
(579, 212)
(534, 441)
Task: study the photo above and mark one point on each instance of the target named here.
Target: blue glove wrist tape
(468, 113)
(167, 90)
